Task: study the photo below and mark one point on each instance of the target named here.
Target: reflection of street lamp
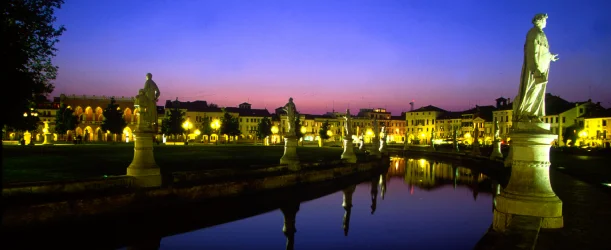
(274, 132)
(216, 124)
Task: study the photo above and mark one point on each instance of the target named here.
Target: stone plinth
(348, 154)
(290, 153)
(529, 191)
(143, 166)
(383, 146)
(48, 139)
(496, 151)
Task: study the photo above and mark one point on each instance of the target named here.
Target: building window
(563, 119)
(556, 119)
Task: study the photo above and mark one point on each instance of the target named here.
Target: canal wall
(29, 204)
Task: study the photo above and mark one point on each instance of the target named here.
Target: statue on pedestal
(146, 101)
(529, 104)
(348, 124)
(290, 113)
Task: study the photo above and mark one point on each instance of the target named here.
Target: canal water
(416, 204)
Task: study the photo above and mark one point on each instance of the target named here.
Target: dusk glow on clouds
(330, 54)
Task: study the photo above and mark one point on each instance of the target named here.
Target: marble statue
(348, 124)
(147, 102)
(496, 130)
(290, 113)
(529, 104)
(383, 132)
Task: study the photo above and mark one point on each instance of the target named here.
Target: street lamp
(303, 132)
(274, 132)
(187, 125)
(216, 124)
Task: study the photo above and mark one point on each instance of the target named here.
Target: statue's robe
(152, 93)
(530, 102)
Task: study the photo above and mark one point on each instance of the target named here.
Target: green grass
(41, 163)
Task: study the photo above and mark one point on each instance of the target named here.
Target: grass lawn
(84, 161)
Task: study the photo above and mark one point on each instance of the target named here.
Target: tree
(213, 105)
(571, 133)
(65, 120)
(172, 123)
(323, 131)
(28, 46)
(113, 119)
(230, 125)
(264, 128)
(297, 125)
(205, 127)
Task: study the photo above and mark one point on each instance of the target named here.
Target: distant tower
(411, 104)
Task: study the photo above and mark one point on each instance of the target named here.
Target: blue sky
(330, 54)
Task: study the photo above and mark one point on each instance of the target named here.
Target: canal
(416, 204)
(411, 204)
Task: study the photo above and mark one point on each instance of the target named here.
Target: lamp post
(274, 133)
(30, 117)
(216, 124)
(303, 132)
(187, 125)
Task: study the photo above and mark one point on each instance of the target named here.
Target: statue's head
(540, 20)
(149, 76)
(290, 99)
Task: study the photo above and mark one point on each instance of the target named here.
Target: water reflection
(427, 203)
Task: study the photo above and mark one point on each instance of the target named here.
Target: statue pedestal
(290, 153)
(496, 151)
(348, 154)
(475, 149)
(143, 166)
(48, 139)
(375, 148)
(383, 146)
(529, 191)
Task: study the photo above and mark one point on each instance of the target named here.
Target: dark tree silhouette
(264, 128)
(172, 123)
(113, 119)
(323, 130)
(230, 125)
(28, 39)
(65, 120)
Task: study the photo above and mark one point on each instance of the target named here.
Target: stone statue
(383, 132)
(529, 104)
(496, 130)
(348, 124)
(290, 113)
(146, 100)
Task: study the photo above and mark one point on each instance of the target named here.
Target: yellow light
(329, 133)
(187, 125)
(369, 132)
(197, 132)
(467, 135)
(215, 124)
(275, 129)
(303, 130)
(25, 114)
(583, 134)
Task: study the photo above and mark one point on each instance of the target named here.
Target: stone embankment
(30, 204)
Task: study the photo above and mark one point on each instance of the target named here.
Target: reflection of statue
(529, 104)
(290, 113)
(348, 124)
(147, 102)
(374, 194)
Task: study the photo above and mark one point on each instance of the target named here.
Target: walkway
(587, 216)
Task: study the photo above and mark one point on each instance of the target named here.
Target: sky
(330, 54)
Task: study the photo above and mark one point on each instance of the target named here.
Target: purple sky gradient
(325, 54)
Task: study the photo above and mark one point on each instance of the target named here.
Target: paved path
(587, 216)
